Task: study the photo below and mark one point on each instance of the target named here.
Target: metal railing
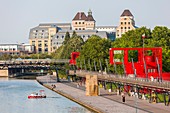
(124, 79)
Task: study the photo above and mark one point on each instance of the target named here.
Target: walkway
(106, 103)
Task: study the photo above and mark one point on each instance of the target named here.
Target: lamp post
(143, 37)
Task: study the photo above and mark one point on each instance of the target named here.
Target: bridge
(32, 61)
(21, 66)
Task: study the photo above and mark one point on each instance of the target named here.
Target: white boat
(35, 95)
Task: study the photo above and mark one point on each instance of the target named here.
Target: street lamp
(143, 37)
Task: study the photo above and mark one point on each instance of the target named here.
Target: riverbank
(97, 104)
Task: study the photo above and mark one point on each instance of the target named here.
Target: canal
(14, 93)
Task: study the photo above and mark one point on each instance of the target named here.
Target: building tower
(90, 22)
(126, 23)
(78, 22)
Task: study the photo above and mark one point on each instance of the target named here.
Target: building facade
(83, 22)
(58, 39)
(16, 49)
(126, 23)
(41, 36)
(47, 37)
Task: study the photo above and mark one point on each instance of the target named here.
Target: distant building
(16, 49)
(126, 23)
(110, 30)
(41, 36)
(85, 34)
(47, 37)
(83, 22)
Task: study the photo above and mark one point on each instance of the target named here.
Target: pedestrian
(123, 98)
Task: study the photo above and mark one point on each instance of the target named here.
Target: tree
(74, 34)
(73, 44)
(95, 48)
(67, 37)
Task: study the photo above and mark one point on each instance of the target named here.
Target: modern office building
(126, 23)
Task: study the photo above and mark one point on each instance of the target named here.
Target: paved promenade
(106, 102)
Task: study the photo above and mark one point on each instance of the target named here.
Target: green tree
(74, 34)
(67, 37)
(95, 48)
(73, 44)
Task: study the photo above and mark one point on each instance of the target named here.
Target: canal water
(14, 93)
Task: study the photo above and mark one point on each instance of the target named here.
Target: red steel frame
(150, 61)
(74, 55)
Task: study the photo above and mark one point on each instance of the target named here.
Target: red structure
(148, 62)
(74, 55)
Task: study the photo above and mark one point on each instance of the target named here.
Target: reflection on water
(4, 78)
(13, 99)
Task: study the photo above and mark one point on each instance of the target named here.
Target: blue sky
(18, 16)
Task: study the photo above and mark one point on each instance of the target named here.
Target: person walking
(123, 98)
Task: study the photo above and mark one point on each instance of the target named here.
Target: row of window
(40, 31)
(40, 50)
(79, 22)
(125, 27)
(57, 43)
(46, 34)
(79, 28)
(5, 49)
(83, 23)
(125, 23)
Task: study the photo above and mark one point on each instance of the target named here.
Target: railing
(34, 61)
(122, 79)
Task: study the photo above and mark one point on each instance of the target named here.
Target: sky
(17, 17)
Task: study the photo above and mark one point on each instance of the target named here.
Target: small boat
(35, 95)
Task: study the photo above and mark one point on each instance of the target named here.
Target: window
(82, 22)
(79, 28)
(121, 23)
(76, 28)
(39, 45)
(125, 23)
(128, 27)
(83, 28)
(125, 27)
(46, 45)
(42, 30)
(128, 22)
(36, 31)
(62, 36)
(79, 22)
(46, 49)
(39, 50)
(125, 18)
(75, 22)
(121, 27)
